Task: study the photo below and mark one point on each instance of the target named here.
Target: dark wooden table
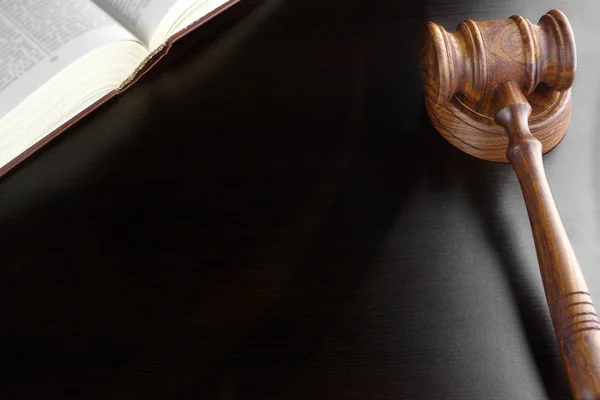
(269, 214)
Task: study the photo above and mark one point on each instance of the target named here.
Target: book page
(147, 18)
(38, 38)
(141, 17)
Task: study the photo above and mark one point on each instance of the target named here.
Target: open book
(61, 58)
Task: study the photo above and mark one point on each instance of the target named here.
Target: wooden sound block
(469, 125)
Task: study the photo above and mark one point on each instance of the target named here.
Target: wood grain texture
(573, 314)
(461, 69)
(465, 126)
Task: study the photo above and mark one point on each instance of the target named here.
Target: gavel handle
(576, 324)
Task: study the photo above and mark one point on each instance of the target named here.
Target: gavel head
(461, 69)
(480, 55)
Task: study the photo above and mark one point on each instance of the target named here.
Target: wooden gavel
(500, 91)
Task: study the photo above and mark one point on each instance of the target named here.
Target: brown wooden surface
(573, 313)
(270, 214)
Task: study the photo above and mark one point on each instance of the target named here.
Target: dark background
(269, 214)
